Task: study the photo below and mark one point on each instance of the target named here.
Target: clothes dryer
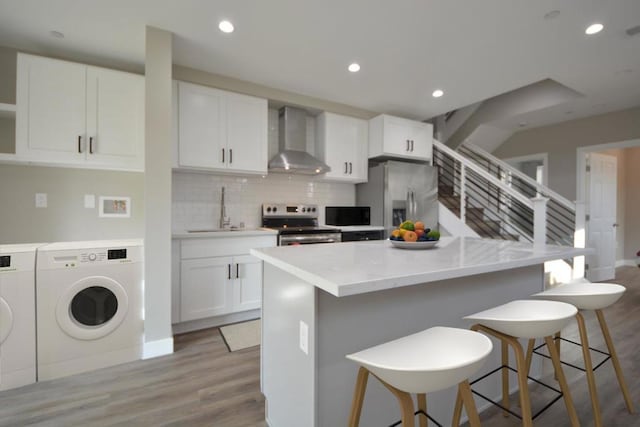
(89, 306)
(17, 315)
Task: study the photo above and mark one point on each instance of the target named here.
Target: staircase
(498, 201)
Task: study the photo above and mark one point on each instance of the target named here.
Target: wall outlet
(304, 337)
(90, 201)
(41, 200)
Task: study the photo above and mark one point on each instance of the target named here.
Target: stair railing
(505, 211)
(561, 212)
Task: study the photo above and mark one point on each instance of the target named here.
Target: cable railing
(560, 212)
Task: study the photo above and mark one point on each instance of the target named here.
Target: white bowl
(413, 245)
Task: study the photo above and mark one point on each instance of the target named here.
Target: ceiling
(407, 48)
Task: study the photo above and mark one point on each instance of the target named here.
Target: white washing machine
(17, 315)
(89, 306)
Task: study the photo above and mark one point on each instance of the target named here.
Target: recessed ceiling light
(56, 34)
(226, 27)
(552, 14)
(437, 93)
(354, 68)
(594, 29)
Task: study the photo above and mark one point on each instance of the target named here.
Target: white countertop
(351, 268)
(224, 233)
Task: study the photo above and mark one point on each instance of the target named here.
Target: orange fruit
(419, 225)
(410, 236)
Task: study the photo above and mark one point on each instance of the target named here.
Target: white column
(539, 221)
(580, 239)
(158, 337)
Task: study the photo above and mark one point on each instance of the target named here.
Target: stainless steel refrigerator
(397, 191)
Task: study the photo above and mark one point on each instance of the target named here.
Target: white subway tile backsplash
(196, 197)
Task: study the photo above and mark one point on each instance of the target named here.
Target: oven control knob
(313, 209)
(92, 257)
(274, 209)
(304, 210)
(268, 208)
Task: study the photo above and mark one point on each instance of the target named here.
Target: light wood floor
(202, 384)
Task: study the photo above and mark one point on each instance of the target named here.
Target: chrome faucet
(224, 220)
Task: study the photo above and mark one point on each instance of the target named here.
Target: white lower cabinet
(217, 277)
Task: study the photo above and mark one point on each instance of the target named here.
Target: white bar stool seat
(527, 319)
(427, 361)
(586, 295)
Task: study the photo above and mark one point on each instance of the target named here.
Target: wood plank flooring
(202, 384)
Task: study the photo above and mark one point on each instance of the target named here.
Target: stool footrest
(419, 412)
(580, 368)
(547, 406)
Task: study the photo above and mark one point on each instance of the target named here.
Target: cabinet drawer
(203, 248)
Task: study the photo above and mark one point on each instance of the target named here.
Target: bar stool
(427, 361)
(526, 319)
(585, 295)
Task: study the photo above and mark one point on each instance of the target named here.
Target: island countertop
(352, 268)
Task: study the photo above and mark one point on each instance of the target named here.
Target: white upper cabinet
(71, 114)
(391, 136)
(221, 130)
(342, 144)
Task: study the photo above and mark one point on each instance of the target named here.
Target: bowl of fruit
(414, 235)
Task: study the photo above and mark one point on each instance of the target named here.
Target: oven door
(308, 239)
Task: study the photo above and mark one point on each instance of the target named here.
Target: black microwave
(347, 215)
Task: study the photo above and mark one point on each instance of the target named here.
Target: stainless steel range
(297, 224)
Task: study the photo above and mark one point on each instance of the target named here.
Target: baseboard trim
(213, 322)
(157, 348)
(626, 263)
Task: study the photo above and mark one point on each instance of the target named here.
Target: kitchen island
(321, 302)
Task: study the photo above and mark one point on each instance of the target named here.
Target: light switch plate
(90, 201)
(41, 200)
(304, 337)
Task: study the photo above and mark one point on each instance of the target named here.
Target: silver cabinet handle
(412, 145)
(616, 225)
(229, 271)
(350, 168)
(79, 143)
(230, 155)
(223, 155)
(90, 145)
(407, 145)
(346, 168)
(237, 271)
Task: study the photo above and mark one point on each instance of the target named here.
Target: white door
(602, 187)
(247, 286)
(247, 133)
(201, 124)
(205, 289)
(51, 102)
(115, 118)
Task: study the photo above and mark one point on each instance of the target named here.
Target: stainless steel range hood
(292, 156)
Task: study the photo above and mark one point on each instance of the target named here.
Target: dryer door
(92, 308)
(6, 320)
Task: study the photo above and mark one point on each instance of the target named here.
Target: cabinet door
(397, 137)
(115, 118)
(247, 133)
(202, 129)
(359, 164)
(205, 289)
(422, 140)
(342, 142)
(247, 286)
(51, 110)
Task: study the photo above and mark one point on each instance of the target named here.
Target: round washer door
(92, 308)
(6, 320)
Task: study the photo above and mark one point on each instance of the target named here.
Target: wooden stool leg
(422, 406)
(555, 358)
(505, 378)
(615, 361)
(358, 397)
(406, 404)
(525, 403)
(529, 358)
(588, 365)
(457, 410)
(557, 341)
(464, 390)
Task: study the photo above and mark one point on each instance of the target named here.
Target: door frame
(581, 178)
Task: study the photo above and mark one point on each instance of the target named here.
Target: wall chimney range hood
(292, 156)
